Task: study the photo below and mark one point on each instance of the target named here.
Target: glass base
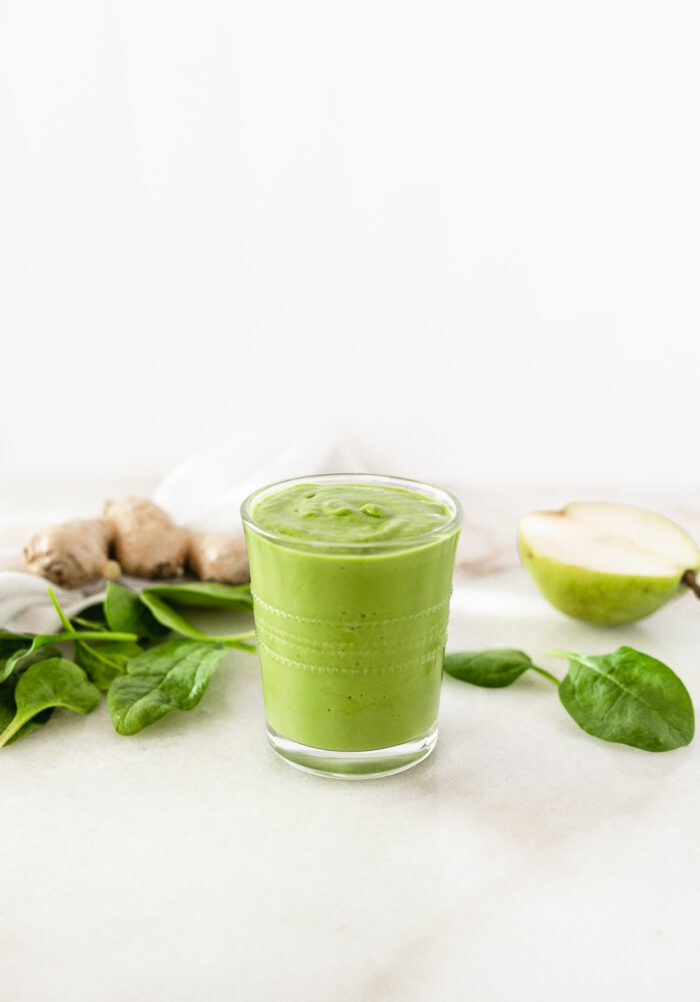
(357, 764)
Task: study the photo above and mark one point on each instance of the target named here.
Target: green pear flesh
(604, 562)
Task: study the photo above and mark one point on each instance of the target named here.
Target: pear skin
(598, 597)
(597, 572)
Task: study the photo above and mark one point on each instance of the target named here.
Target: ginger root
(145, 540)
(218, 556)
(72, 554)
(134, 536)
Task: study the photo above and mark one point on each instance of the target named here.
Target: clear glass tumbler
(351, 633)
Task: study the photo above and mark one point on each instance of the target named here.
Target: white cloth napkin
(204, 493)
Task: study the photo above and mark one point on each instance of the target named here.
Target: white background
(465, 235)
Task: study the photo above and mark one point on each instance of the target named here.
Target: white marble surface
(524, 860)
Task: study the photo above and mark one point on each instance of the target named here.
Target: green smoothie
(351, 580)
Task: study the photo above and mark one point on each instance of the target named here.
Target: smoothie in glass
(351, 578)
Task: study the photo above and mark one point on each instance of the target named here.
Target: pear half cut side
(604, 562)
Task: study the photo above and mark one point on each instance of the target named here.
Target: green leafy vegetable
(628, 697)
(172, 676)
(11, 664)
(106, 661)
(167, 616)
(45, 685)
(25, 654)
(8, 647)
(150, 613)
(124, 610)
(493, 669)
(12, 672)
(625, 697)
(124, 646)
(206, 594)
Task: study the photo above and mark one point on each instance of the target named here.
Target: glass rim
(431, 490)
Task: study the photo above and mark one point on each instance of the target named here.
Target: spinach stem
(234, 636)
(10, 731)
(70, 632)
(545, 674)
(90, 635)
(67, 625)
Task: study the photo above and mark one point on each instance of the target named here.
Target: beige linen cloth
(203, 493)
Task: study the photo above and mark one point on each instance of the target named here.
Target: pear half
(607, 563)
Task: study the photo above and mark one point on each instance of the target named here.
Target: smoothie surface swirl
(350, 513)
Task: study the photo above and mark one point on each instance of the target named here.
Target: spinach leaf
(124, 610)
(17, 664)
(493, 669)
(628, 697)
(14, 647)
(38, 649)
(8, 711)
(105, 661)
(625, 697)
(172, 676)
(11, 642)
(52, 682)
(207, 594)
(142, 685)
(9, 665)
(176, 622)
(92, 618)
(7, 702)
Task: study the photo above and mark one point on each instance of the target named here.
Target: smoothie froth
(350, 513)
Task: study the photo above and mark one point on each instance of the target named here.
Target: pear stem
(692, 582)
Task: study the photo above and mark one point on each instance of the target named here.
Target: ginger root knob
(145, 540)
(71, 554)
(219, 556)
